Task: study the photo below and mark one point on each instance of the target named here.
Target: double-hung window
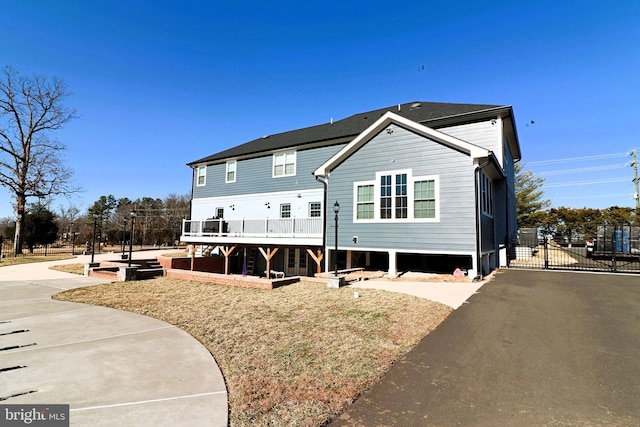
(231, 171)
(385, 197)
(315, 209)
(393, 196)
(486, 194)
(285, 210)
(401, 195)
(397, 196)
(284, 164)
(365, 201)
(201, 176)
(424, 199)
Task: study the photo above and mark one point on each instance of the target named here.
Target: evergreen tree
(529, 196)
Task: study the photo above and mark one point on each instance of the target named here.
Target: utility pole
(634, 163)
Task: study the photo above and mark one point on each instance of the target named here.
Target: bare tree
(31, 162)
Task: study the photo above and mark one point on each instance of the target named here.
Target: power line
(578, 159)
(574, 183)
(585, 169)
(593, 196)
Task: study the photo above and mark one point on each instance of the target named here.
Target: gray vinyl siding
(482, 134)
(401, 150)
(255, 175)
(500, 211)
(510, 198)
(488, 241)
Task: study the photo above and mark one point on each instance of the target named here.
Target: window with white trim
(231, 171)
(285, 210)
(365, 201)
(201, 176)
(397, 196)
(284, 164)
(315, 209)
(424, 199)
(486, 194)
(401, 195)
(385, 197)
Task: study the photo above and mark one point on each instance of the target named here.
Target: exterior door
(296, 262)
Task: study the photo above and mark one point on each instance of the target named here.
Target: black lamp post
(133, 221)
(93, 239)
(73, 240)
(336, 209)
(124, 233)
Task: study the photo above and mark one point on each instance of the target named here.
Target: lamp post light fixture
(336, 210)
(133, 221)
(93, 238)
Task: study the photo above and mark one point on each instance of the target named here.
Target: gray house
(420, 186)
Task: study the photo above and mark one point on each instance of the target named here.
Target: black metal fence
(613, 249)
(7, 250)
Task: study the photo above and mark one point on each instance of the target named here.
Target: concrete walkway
(453, 294)
(112, 367)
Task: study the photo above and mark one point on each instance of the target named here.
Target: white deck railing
(267, 227)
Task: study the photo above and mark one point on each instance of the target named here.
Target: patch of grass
(296, 355)
(69, 268)
(12, 260)
(179, 254)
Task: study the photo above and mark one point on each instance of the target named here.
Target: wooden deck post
(317, 259)
(267, 256)
(227, 252)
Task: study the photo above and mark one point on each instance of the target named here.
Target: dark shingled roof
(349, 127)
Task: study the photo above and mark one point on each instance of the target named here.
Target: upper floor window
(397, 195)
(486, 194)
(285, 210)
(284, 164)
(201, 177)
(231, 171)
(315, 210)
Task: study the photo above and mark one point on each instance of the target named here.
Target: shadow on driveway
(531, 348)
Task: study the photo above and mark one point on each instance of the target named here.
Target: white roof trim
(473, 150)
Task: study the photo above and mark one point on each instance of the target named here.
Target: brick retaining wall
(231, 279)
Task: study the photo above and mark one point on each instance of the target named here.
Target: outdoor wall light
(233, 207)
(268, 205)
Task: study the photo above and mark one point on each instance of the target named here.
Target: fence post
(546, 251)
(614, 243)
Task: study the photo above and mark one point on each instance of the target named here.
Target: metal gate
(613, 249)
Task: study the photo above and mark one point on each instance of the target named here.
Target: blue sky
(158, 84)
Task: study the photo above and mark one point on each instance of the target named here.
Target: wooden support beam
(267, 256)
(317, 259)
(227, 251)
(192, 252)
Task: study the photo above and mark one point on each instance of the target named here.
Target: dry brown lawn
(69, 268)
(28, 259)
(296, 355)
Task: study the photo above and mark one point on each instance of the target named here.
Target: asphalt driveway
(531, 348)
